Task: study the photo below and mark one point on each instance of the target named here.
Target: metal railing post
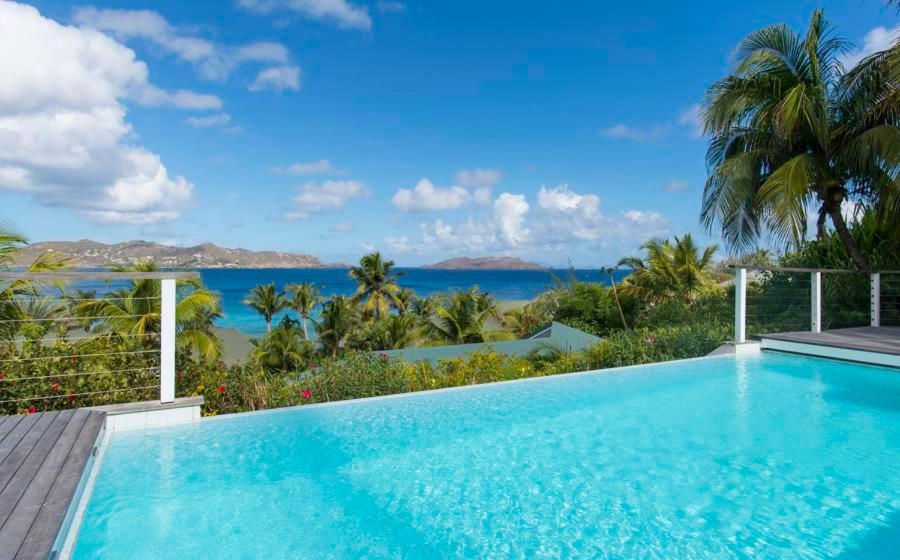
(875, 298)
(740, 305)
(167, 341)
(816, 301)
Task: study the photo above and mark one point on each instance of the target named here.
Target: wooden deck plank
(12, 439)
(48, 520)
(10, 465)
(882, 340)
(7, 424)
(26, 476)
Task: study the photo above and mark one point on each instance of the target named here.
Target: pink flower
(307, 393)
(55, 387)
(31, 409)
(313, 366)
(384, 356)
(650, 340)
(221, 389)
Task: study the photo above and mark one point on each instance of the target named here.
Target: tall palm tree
(267, 301)
(133, 313)
(670, 270)
(340, 317)
(396, 331)
(304, 298)
(610, 270)
(793, 131)
(376, 286)
(461, 318)
(521, 321)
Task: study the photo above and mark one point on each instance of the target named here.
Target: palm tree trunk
(305, 332)
(268, 326)
(843, 232)
(618, 304)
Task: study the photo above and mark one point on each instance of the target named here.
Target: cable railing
(68, 350)
(785, 299)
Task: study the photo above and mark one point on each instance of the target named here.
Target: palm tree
(460, 319)
(133, 313)
(304, 299)
(396, 331)
(792, 131)
(340, 317)
(669, 270)
(610, 270)
(376, 284)
(521, 321)
(267, 301)
(284, 349)
(404, 299)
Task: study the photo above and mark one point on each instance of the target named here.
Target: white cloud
(625, 132)
(640, 225)
(340, 12)
(342, 227)
(509, 215)
(427, 197)
(211, 121)
(692, 117)
(327, 196)
(391, 7)
(675, 185)
(65, 140)
(321, 167)
(277, 78)
(214, 61)
(480, 181)
(878, 39)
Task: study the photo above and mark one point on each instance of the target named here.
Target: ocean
(235, 284)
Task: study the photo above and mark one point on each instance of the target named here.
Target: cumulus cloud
(339, 12)
(509, 215)
(480, 181)
(325, 197)
(214, 61)
(625, 132)
(321, 167)
(277, 78)
(425, 197)
(878, 39)
(65, 140)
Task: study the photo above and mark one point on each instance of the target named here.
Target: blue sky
(557, 132)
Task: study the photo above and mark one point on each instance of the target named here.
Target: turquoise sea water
(771, 456)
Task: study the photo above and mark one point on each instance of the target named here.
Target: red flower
(55, 387)
(2, 376)
(71, 398)
(74, 356)
(384, 357)
(31, 409)
(221, 389)
(307, 393)
(314, 366)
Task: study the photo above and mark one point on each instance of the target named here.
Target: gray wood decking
(883, 340)
(42, 458)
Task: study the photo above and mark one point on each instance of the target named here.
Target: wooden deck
(880, 345)
(42, 459)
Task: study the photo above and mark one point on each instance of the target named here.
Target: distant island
(485, 263)
(91, 254)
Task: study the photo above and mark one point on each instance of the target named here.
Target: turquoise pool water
(770, 456)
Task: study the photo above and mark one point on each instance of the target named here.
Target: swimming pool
(763, 456)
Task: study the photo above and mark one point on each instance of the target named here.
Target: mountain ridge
(89, 253)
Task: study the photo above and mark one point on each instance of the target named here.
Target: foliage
(284, 348)
(304, 298)
(460, 318)
(670, 270)
(340, 318)
(377, 287)
(792, 130)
